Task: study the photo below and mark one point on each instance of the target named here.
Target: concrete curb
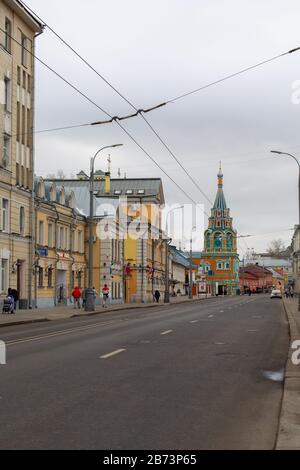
(99, 312)
(288, 437)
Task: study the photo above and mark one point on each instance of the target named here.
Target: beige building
(18, 30)
(132, 268)
(60, 262)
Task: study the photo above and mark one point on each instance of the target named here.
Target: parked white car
(276, 294)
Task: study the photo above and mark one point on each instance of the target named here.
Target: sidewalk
(60, 313)
(289, 428)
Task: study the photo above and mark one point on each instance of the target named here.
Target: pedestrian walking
(83, 296)
(76, 294)
(105, 295)
(157, 295)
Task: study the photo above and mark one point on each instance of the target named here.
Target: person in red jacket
(105, 294)
(76, 294)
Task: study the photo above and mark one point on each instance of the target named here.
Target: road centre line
(58, 333)
(166, 332)
(114, 353)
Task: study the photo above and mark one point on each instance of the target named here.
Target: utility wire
(240, 72)
(107, 114)
(127, 101)
(169, 101)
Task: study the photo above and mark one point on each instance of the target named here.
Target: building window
(3, 276)
(80, 242)
(227, 265)
(24, 79)
(229, 242)
(6, 151)
(22, 221)
(41, 278)
(218, 242)
(61, 237)
(66, 246)
(18, 121)
(41, 232)
(219, 265)
(50, 276)
(79, 279)
(29, 84)
(50, 235)
(7, 39)
(18, 75)
(7, 94)
(24, 50)
(4, 215)
(23, 124)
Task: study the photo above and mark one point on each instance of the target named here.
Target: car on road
(276, 294)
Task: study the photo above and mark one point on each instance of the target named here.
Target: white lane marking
(166, 332)
(221, 311)
(194, 321)
(252, 331)
(210, 316)
(58, 333)
(220, 344)
(114, 353)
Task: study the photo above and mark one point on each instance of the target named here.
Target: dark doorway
(222, 290)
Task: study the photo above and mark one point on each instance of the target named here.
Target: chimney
(107, 183)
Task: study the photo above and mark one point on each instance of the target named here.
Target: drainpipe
(57, 259)
(32, 215)
(33, 263)
(72, 247)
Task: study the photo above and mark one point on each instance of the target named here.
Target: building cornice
(32, 22)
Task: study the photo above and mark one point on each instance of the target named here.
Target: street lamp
(90, 299)
(297, 161)
(167, 286)
(191, 264)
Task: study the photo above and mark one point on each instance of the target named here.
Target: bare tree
(277, 249)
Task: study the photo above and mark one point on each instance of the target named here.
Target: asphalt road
(189, 376)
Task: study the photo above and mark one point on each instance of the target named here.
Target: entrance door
(61, 287)
(222, 290)
(23, 302)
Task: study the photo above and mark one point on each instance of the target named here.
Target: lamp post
(90, 299)
(167, 286)
(297, 161)
(191, 264)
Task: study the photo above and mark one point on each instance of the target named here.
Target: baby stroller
(8, 305)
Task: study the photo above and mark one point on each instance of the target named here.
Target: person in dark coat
(157, 295)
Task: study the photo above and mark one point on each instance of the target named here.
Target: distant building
(132, 268)
(256, 278)
(178, 273)
(220, 260)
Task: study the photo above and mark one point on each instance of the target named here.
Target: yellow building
(17, 38)
(133, 268)
(60, 262)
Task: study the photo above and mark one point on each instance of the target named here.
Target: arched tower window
(207, 241)
(229, 241)
(218, 241)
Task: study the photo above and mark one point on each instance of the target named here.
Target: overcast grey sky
(155, 50)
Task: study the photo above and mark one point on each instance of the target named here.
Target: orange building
(220, 260)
